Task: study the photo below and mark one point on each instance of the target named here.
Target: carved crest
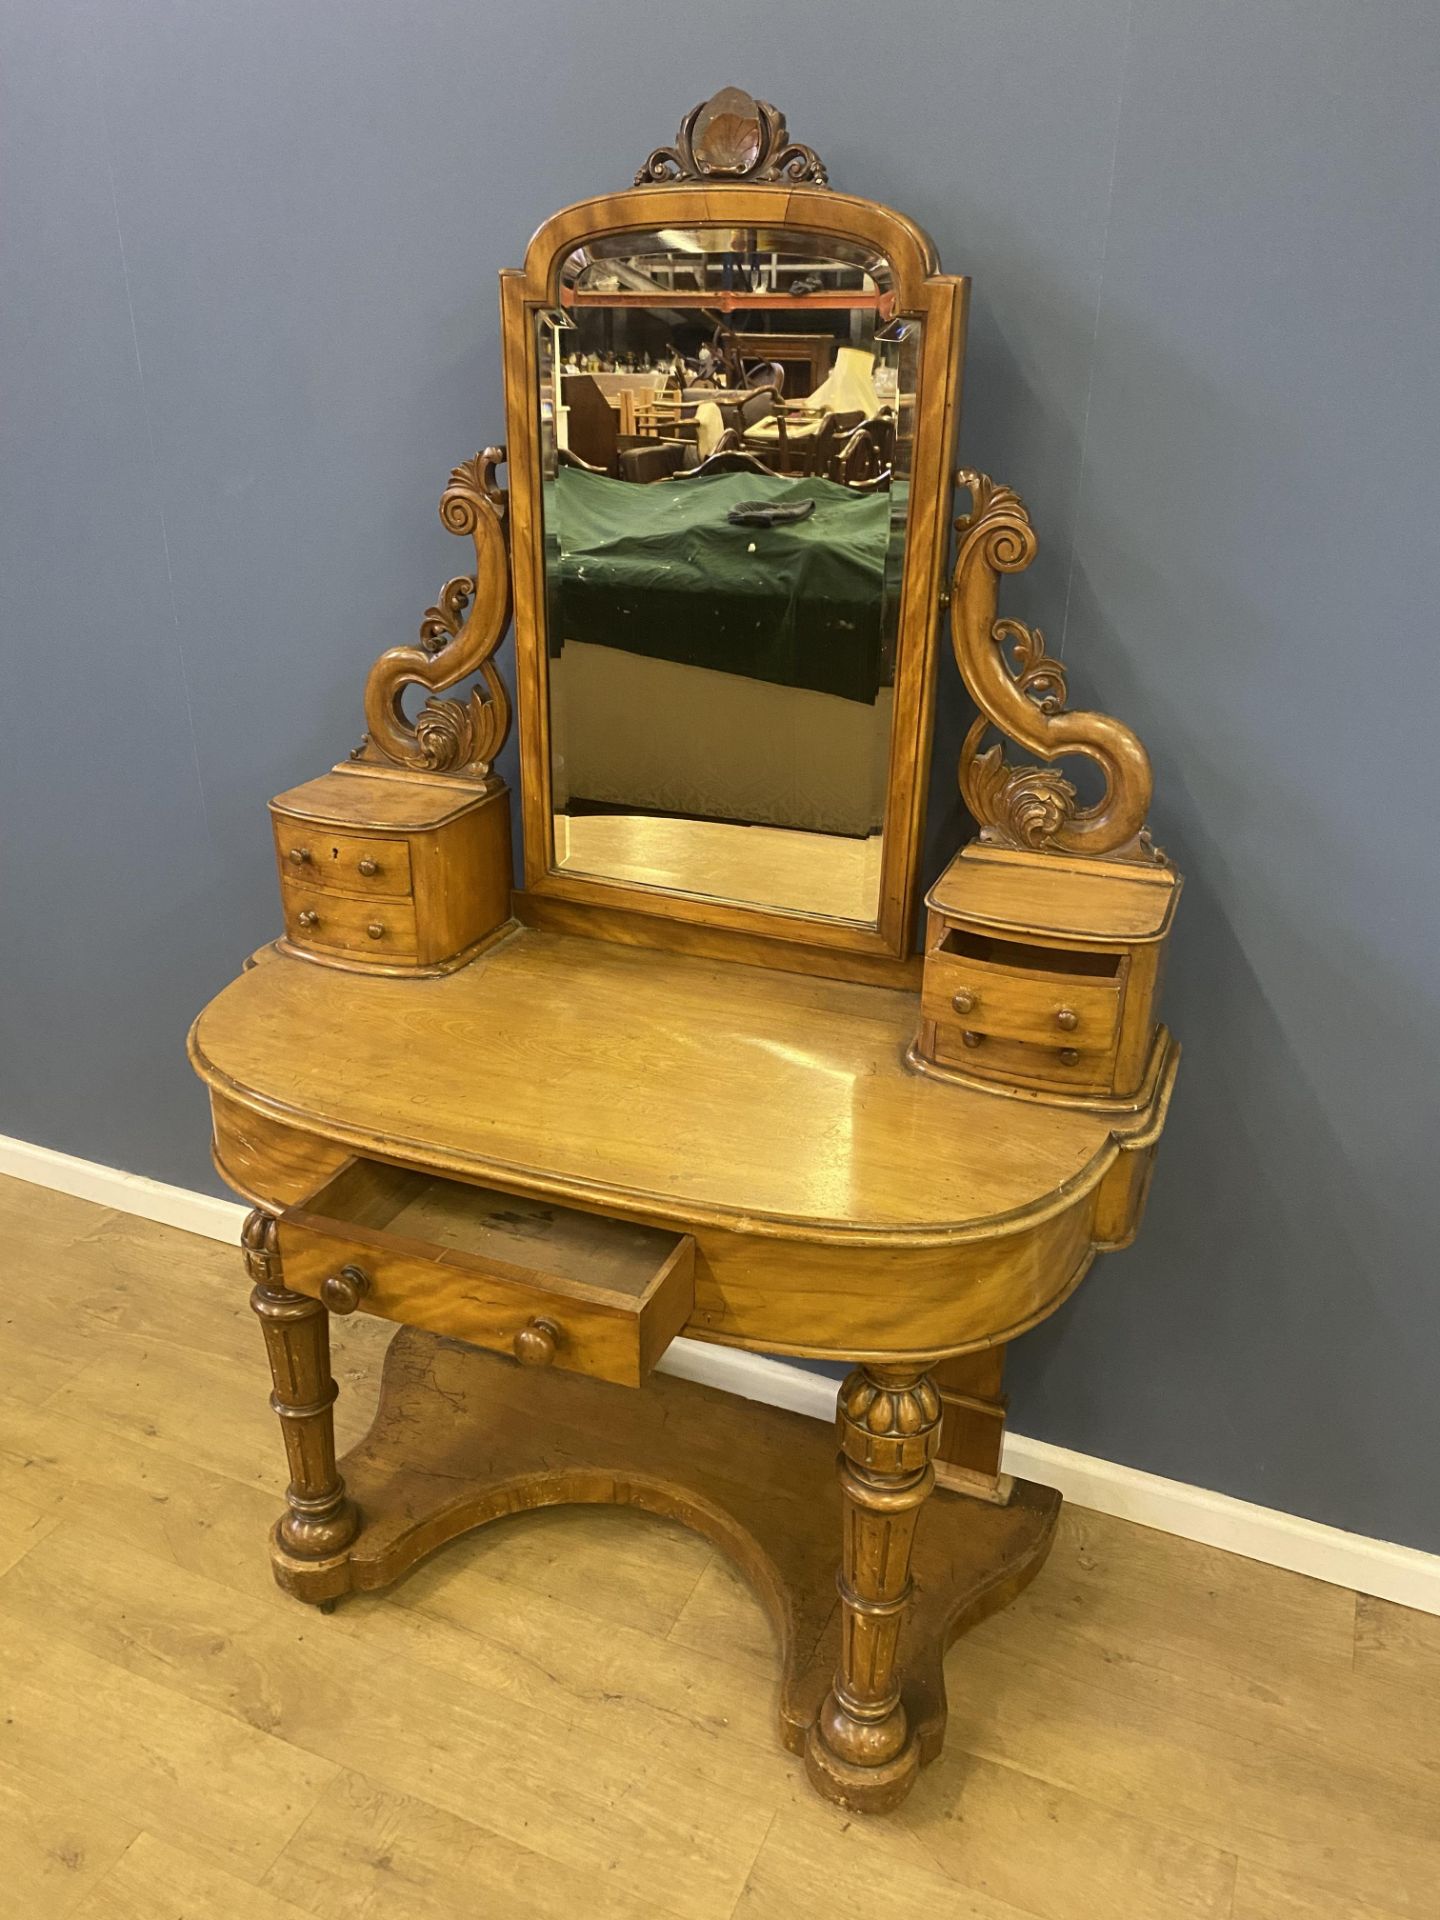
(458, 636)
(733, 136)
(1020, 691)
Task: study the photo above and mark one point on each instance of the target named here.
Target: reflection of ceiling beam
(634, 280)
(882, 303)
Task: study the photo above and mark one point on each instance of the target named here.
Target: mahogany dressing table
(692, 1078)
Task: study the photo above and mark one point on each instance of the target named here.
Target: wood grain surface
(840, 1203)
(746, 1095)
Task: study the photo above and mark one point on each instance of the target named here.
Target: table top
(690, 1089)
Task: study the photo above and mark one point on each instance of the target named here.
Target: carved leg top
(260, 1248)
(889, 1419)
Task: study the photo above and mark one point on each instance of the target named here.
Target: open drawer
(542, 1282)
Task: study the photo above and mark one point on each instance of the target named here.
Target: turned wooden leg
(861, 1751)
(319, 1521)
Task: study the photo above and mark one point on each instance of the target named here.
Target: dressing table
(693, 1076)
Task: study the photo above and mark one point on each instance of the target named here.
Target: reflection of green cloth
(658, 570)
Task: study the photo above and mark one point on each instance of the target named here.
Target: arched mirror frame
(939, 302)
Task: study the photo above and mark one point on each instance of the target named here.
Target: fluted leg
(319, 1520)
(861, 1751)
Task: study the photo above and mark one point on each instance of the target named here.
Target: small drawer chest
(389, 872)
(1043, 979)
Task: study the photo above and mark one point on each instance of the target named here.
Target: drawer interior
(500, 1231)
(1064, 962)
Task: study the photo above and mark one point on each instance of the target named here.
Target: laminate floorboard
(571, 1713)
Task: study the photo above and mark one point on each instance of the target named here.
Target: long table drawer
(548, 1284)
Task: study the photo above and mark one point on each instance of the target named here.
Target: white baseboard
(1378, 1567)
(124, 1192)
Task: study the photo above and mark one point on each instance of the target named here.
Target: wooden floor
(1154, 1732)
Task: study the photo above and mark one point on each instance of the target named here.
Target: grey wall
(249, 255)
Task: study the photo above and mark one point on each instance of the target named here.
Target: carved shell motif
(733, 136)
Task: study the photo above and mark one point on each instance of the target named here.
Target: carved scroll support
(862, 1751)
(1020, 690)
(320, 1520)
(458, 637)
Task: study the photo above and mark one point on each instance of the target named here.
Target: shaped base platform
(462, 1437)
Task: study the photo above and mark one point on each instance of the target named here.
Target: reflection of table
(764, 648)
(731, 748)
(661, 571)
(628, 392)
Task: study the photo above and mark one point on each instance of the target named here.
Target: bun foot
(861, 1788)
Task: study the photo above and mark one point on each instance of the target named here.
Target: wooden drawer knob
(1069, 1057)
(965, 1001)
(299, 856)
(535, 1345)
(342, 1292)
(369, 867)
(376, 930)
(1067, 1018)
(972, 1039)
(309, 918)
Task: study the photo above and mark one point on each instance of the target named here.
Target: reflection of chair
(818, 450)
(759, 403)
(593, 431)
(847, 390)
(769, 373)
(656, 460)
(723, 415)
(866, 458)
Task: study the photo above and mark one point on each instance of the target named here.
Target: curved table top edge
(600, 1196)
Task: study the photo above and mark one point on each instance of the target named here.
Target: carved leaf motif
(445, 735)
(892, 1411)
(443, 621)
(1022, 806)
(733, 136)
(1036, 674)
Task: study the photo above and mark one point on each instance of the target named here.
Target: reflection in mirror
(726, 421)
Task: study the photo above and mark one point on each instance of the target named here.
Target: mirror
(726, 419)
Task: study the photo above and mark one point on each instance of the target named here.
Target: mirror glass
(726, 420)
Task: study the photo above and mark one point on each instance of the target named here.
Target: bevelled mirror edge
(938, 302)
